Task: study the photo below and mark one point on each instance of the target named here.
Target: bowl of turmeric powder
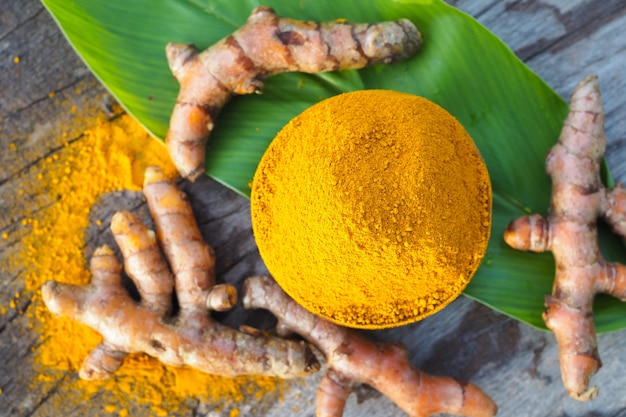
(372, 208)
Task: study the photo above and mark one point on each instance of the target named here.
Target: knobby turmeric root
(570, 233)
(191, 337)
(267, 45)
(352, 359)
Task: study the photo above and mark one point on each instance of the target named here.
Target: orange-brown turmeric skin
(267, 45)
(570, 233)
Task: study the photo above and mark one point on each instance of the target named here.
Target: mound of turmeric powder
(372, 208)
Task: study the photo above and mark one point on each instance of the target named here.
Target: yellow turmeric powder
(372, 208)
(111, 156)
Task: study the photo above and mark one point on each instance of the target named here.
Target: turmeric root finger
(528, 233)
(351, 357)
(267, 45)
(107, 357)
(578, 347)
(332, 394)
(190, 257)
(612, 280)
(614, 209)
(144, 262)
(102, 362)
(570, 233)
(222, 297)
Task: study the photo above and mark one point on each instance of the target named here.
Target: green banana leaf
(513, 116)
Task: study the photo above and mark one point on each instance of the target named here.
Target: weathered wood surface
(561, 40)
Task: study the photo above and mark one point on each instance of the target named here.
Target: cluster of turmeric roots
(177, 262)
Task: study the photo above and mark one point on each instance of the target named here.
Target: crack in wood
(17, 313)
(22, 23)
(487, 7)
(19, 220)
(226, 268)
(579, 23)
(48, 395)
(10, 244)
(50, 152)
(39, 100)
(220, 218)
(32, 164)
(12, 277)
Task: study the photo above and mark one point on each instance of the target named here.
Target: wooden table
(562, 40)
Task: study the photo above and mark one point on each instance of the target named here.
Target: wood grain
(561, 40)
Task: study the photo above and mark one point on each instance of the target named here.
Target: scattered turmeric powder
(372, 208)
(111, 156)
